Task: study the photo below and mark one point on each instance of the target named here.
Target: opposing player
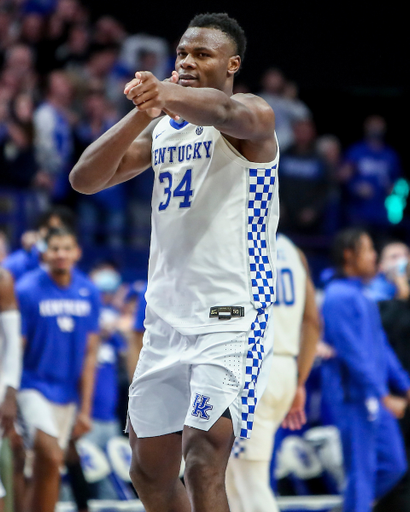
(297, 330)
(10, 358)
(207, 349)
(59, 310)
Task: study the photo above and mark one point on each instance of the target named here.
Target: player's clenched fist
(148, 93)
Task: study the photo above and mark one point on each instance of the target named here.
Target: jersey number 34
(183, 189)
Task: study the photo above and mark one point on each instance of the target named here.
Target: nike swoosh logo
(158, 134)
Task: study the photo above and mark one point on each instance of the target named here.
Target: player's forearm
(202, 106)
(307, 352)
(88, 378)
(101, 160)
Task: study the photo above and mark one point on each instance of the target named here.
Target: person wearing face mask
(392, 280)
(391, 290)
(370, 170)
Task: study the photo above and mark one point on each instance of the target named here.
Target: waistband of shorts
(276, 354)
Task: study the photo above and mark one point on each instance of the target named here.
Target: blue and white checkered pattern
(261, 187)
(253, 367)
(239, 446)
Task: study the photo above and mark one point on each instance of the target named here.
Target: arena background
(347, 57)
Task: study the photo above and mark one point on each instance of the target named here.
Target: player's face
(62, 254)
(206, 58)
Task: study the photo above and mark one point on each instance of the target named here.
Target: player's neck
(62, 279)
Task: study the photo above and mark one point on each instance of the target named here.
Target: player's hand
(296, 417)
(82, 425)
(396, 405)
(148, 94)
(8, 412)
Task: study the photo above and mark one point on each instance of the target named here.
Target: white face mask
(107, 280)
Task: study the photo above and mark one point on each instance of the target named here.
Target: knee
(200, 469)
(52, 458)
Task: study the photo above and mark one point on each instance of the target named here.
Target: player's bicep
(250, 118)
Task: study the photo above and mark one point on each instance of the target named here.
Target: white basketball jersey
(289, 305)
(214, 221)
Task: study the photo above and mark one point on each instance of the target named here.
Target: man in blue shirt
(371, 169)
(359, 381)
(59, 308)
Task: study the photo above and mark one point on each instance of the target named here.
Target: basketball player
(211, 277)
(297, 330)
(10, 358)
(59, 310)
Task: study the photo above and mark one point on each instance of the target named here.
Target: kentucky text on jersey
(56, 307)
(182, 153)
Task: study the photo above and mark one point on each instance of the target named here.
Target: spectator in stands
(329, 148)
(19, 61)
(136, 47)
(108, 30)
(53, 136)
(358, 383)
(282, 97)
(394, 306)
(305, 183)
(369, 174)
(111, 354)
(102, 216)
(73, 53)
(32, 31)
(104, 67)
(17, 144)
(392, 279)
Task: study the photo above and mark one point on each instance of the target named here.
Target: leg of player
(251, 483)
(154, 472)
(206, 456)
(48, 457)
(20, 489)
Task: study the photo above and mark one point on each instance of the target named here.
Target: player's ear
(234, 65)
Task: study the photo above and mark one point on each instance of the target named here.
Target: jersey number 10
(285, 287)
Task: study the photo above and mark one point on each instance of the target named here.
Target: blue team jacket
(365, 365)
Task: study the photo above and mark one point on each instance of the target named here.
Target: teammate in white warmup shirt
(297, 331)
(211, 273)
(10, 359)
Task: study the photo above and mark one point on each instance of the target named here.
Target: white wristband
(11, 355)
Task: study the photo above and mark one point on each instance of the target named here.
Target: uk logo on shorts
(201, 406)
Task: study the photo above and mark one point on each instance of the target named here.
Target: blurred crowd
(62, 77)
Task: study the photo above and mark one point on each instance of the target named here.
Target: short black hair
(347, 239)
(65, 214)
(229, 26)
(63, 231)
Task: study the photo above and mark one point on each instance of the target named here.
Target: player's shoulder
(253, 101)
(342, 289)
(30, 280)
(80, 278)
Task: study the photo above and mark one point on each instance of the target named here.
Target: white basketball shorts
(270, 412)
(39, 413)
(192, 380)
